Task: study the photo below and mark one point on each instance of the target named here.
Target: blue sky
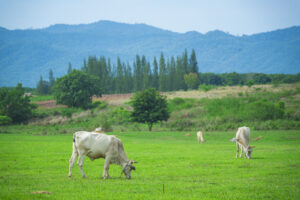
(234, 16)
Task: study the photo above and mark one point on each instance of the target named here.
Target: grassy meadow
(171, 166)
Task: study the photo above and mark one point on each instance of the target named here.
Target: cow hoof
(83, 176)
(70, 176)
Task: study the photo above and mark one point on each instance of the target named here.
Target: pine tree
(51, 78)
(84, 68)
(179, 80)
(193, 63)
(162, 73)
(146, 73)
(172, 74)
(70, 68)
(119, 78)
(138, 79)
(155, 74)
(185, 62)
(42, 87)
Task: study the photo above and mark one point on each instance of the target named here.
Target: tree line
(163, 74)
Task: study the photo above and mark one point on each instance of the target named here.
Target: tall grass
(262, 110)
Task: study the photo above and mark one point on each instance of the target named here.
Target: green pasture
(171, 166)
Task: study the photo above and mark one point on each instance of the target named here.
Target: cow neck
(123, 160)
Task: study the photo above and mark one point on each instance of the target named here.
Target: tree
(138, 74)
(15, 105)
(51, 78)
(120, 77)
(179, 79)
(193, 63)
(162, 73)
(249, 83)
(232, 78)
(76, 89)
(191, 80)
(70, 68)
(155, 74)
(43, 87)
(149, 107)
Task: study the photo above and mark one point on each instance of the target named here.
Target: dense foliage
(149, 107)
(171, 74)
(76, 89)
(14, 105)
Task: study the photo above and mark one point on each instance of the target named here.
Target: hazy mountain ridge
(27, 54)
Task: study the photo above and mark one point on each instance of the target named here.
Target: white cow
(99, 130)
(242, 139)
(200, 137)
(98, 145)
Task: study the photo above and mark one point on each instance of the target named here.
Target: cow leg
(237, 149)
(198, 140)
(241, 155)
(106, 168)
(71, 162)
(80, 164)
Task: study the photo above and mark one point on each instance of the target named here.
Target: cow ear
(132, 161)
(251, 147)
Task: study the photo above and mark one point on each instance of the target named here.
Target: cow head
(249, 151)
(127, 168)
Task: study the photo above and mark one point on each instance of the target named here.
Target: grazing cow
(27, 94)
(99, 130)
(200, 137)
(98, 145)
(242, 139)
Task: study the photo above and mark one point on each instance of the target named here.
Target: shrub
(106, 125)
(206, 88)
(249, 83)
(5, 120)
(101, 104)
(263, 110)
(120, 115)
(67, 113)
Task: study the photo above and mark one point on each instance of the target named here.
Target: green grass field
(185, 169)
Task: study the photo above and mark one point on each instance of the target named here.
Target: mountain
(27, 54)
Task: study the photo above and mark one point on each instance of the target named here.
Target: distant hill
(27, 54)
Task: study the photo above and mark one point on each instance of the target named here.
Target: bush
(67, 113)
(249, 83)
(100, 104)
(120, 115)
(263, 110)
(5, 120)
(106, 126)
(206, 88)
